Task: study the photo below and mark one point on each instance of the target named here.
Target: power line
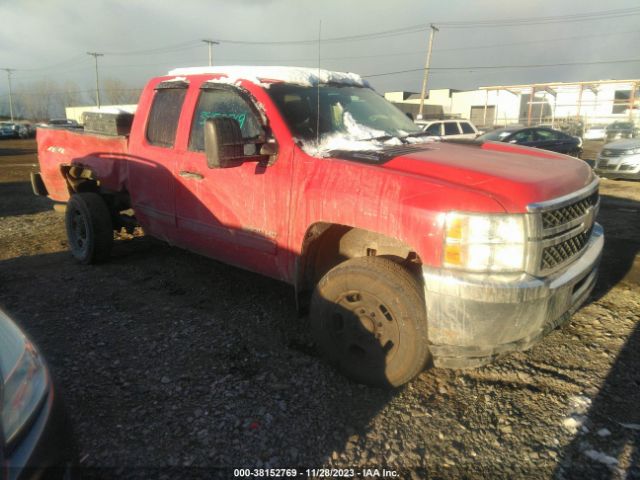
(493, 67)
(63, 63)
(601, 15)
(73, 92)
(150, 51)
(579, 17)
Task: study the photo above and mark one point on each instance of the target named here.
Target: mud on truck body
(406, 252)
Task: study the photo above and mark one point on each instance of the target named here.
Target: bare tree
(37, 101)
(71, 95)
(117, 92)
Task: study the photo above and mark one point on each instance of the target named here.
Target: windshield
(355, 111)
(496, 135)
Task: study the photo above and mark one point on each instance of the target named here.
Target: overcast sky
(49, 39)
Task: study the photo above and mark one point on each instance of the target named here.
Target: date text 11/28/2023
(315, 473)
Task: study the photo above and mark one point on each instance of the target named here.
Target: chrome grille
(560, 216)
(555, 255)
(559, 229)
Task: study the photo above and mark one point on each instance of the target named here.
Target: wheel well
(326, 245)
(81, 179)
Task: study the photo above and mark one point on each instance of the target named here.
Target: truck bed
(60, 147)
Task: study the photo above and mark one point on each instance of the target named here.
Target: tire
(89, 228)
(368, 318)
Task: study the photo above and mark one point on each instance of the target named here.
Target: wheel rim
(79, 232)
(363, 328)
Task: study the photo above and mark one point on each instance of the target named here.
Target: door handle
(194, 175)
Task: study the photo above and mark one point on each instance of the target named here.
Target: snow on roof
(259, 74)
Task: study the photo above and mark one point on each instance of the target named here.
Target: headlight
(25, 379)
(484, 243)
(633, 151)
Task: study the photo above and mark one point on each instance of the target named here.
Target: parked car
(9, 130)
(544, 138)
(595, 132)
(35, 438)
(16, 130)
(314, 179)
(450, 129)
(619, 130)
(619, 160)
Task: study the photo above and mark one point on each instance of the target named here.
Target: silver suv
(450, 128)
(619, 159)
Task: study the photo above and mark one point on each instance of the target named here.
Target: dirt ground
(171, 364)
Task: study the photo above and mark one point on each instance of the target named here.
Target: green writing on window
(239, 117)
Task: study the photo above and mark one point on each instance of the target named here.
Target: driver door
(237, 214)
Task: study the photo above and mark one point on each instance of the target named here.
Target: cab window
(219, 102)
(164, 115)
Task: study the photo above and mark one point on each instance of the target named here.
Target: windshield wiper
(381, 138)
(418, 134)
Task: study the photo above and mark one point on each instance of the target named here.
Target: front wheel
(89, 228)
(368, 319)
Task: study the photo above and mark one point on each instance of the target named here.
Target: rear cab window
(165, 113)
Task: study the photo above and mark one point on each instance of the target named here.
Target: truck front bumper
(472, 318)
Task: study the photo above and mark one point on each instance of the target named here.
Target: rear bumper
(475, 317)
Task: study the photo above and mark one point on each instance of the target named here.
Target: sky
(48, 40)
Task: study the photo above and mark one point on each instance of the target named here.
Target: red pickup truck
(405, 251)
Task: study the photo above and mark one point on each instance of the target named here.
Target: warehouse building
(595, 102)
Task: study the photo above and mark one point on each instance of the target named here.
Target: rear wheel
(368, 318)
(89, 228)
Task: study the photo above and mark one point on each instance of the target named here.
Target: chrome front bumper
(474, 317)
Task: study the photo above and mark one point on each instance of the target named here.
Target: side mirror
(222, 141)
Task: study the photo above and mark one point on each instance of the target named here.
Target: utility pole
(95, 56)
(9, 70)
(210, 43)
(426, 69)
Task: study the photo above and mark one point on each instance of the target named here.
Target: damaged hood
(514, 176)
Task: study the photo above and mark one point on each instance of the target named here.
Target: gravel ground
(167, 359)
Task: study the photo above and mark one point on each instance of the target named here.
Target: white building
(601, 101)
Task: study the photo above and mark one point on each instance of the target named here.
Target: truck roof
(264, 75)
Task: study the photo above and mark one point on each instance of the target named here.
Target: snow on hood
(307, 77)
(356, 137)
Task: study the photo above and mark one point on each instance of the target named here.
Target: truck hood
(514, 176)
